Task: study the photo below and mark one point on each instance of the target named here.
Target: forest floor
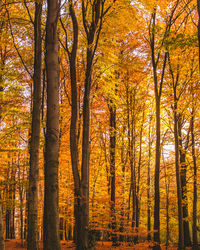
(16, 245)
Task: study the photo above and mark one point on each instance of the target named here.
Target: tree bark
(81, 181)
(51, 239)
(32, 238)
(149, 183)
(183, 172)
(112, 110)
(194, 224)
(157, 176)
(2, 245)
(139, 170)
(178, 177)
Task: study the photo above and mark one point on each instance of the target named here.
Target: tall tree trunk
(158, 85)
(157, 176)
(92, 42)
(85, 152)
(157, 92)
(139, 170)
(13, 191)
(81, 181)
(2, 245)
(112, 110)
(137, 198)
(194, 225)
(167, 200)
(123, 162)
(183, 172)
(149, 184)
(178, 177)
(32, 238)
(51, 239)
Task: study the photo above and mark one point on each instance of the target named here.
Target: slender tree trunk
(51, 239)
(92, 42)
(13, 191)
(138, 181)
(121, 229)
(137, 198)
(158, 92)
(32, 238)
(8, 208)
(194, 225)
(112, 110)
(149, 186)
(167, 215)
(2, 245)
(85, 153)
(167, 200)
(7, 223)
(133, 149)
(157, 176)
(81, 181)
(73, 128)
(178, 178)
(183, 172)
(21, 219)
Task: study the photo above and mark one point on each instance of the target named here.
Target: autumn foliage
(128, 136)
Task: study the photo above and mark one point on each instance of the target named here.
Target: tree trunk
(84, 203)
(138, 180)
(73, 127)
(178, 178)
(81, 181)
(51, 239)
(13, 191)
(167, 200)
(157, 176)
(2, 245)
(183, 172)
(123, 177)
(194, 225)
(112, 110)
(149, 186)
(32, 238)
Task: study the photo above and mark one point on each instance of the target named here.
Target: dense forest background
(99, 122)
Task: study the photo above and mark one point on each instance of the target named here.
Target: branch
(66, 42)
(26, 6)
(84, 19)
(11, 31)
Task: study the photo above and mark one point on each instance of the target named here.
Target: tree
(2, 246)
(51, 219)
(32, 239)
(177, 161)
(112, 134)
(158, 54)
(92, 16)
